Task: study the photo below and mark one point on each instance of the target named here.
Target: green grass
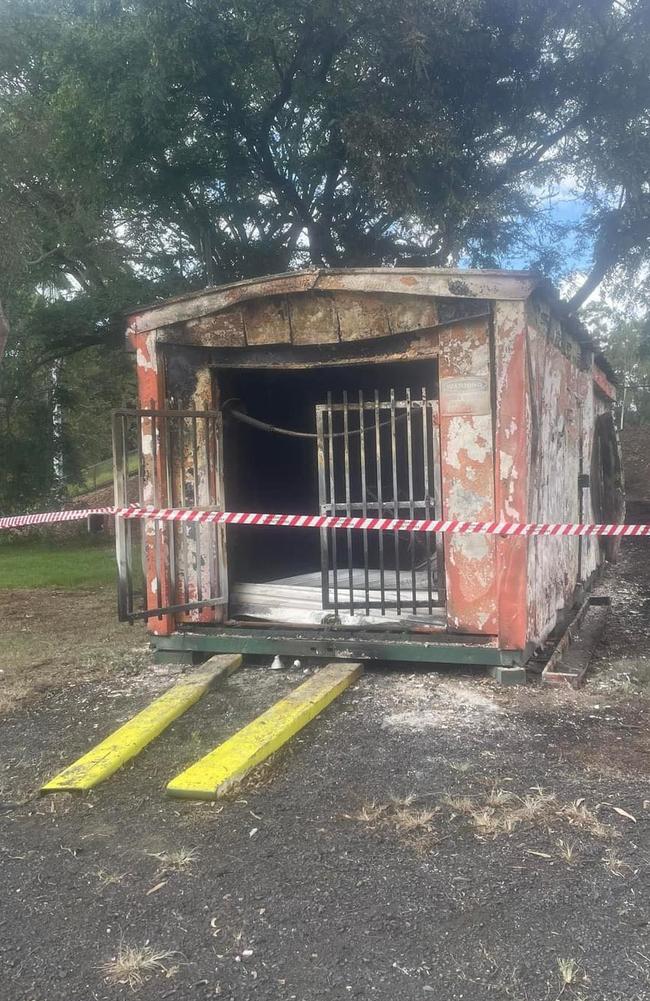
(101, 475)
(69, 564)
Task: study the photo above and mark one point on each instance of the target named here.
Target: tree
(154, 146)
(4, 331)
(626, 342)
(215, 140)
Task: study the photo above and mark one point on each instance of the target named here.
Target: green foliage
(218, 140)
(99, 474)
(27, 445)
(151, 147)
(40, 455)
(626, 343)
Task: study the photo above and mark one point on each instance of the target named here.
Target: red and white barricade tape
(52, 517)
(507, 529)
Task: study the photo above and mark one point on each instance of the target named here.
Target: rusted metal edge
(436, 282)
(552, 675)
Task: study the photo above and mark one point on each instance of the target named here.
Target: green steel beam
(420, 650)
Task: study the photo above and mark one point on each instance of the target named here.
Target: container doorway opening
(373, 451)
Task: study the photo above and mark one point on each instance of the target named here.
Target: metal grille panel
(380, 459)
(168, 458)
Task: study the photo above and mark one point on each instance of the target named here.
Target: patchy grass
(100, 475)
(570, 972)
(499, 797)
(69, 564)
(134, 964)
(626, 676)
(370, 813)
(459, 805)
(406, 820)
(578, 815)
(106, 879)
(401, 818)
(567, 850)
(501, 812)
(461, 766)
(616, 866)
(180, 860)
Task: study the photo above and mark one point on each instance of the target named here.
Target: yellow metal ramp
(222, 768)
(106, 757)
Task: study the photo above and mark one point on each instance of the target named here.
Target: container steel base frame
(197, 644)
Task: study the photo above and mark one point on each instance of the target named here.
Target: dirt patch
(425, 702)
(51, 639)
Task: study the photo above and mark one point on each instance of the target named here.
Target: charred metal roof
(456, 283)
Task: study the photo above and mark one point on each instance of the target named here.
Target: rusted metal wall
(564, 403)
(189, 386)
(511, 466)
(467, 457)
(151, 392)
(517, 410)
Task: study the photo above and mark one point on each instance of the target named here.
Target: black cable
(263, 426)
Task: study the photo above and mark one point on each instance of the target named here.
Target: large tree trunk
(4, 331)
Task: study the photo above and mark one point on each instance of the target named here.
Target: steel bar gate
(380, 459)
(169, 458)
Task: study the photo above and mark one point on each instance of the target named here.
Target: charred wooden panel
(410, 312)
(361, 316)
(217, 330)
(266, 321)
(314, 319)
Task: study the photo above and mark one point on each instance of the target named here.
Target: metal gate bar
(400, 477)
(178, 457)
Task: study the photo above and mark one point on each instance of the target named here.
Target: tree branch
(4, 331)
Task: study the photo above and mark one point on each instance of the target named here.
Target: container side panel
(219, 330)
(564, 408)
(361, 316)
(408, 312)
(467, 475)
(151, 392)
(197, 472)
(512, 451)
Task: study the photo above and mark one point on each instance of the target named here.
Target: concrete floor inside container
(370, 449)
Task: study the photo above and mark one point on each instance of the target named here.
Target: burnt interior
(269, 472)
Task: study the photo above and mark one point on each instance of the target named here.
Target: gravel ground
(430, 836)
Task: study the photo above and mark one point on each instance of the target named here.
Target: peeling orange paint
(151, 392)
(467, 476)
(519, 395)
(512, 456)
(603, 383)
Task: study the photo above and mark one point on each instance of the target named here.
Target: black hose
(263, 426)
